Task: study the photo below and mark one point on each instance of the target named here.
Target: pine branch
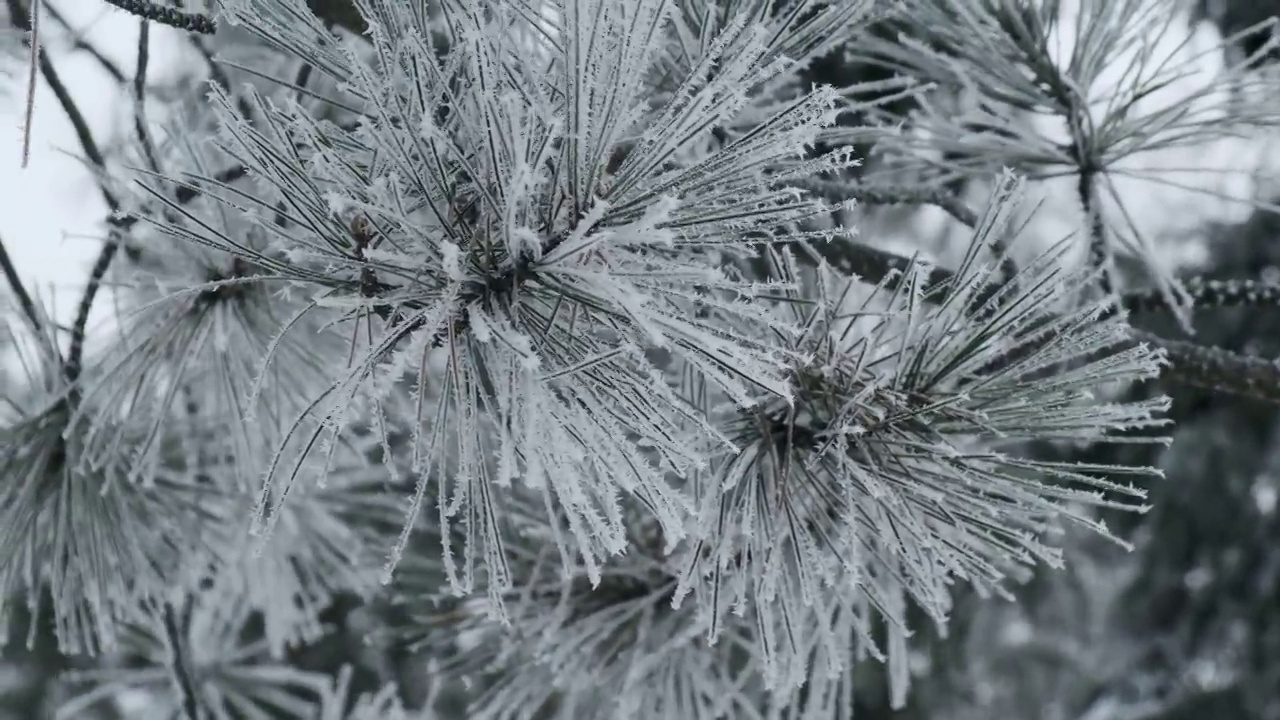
(1209, 294)
(75, 352)
(19, 290)
(22, 20)
(1099, 250)
(1213, 368)
(192, 22)
(1191, 364)
(78, 43)
(883, 194)
(181, 674)
(140, 96)
(872, 265)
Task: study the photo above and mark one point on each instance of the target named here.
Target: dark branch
(1099, 248)
(20, 291)
(1190, 364)
(78, 43)
(22, 20)
(1213, 368)
(140, 96)
(173, 17)
(1210, 294)
(882, 194)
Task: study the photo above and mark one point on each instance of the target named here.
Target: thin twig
(19, 290)
(1189, 364)
(75, 351)
(79, 43)
(873, 265)
(192, 22)
(30, 111)
(22, 20)
(181, 675)
(140, 95)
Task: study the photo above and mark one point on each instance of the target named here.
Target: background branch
(79, 43)
(75, 352)
(1190, 364)
(20, 291)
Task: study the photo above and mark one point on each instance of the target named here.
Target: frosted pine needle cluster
(519, 207)
(882, 477)
(530, 313)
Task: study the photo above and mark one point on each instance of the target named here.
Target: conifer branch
(140, 96)
(872, 265)
(183, 681)
(1207, 293)
(886, 194)
(173, 17)
(1200, 366)
(1214, 368)
(75, 352)
(19, 290)
(22, 20)
(1099, 250)
(79, 43)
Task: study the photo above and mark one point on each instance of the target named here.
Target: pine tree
(535, 341)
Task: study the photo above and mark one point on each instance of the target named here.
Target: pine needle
(34, 64)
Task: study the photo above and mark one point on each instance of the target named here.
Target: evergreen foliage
(537, 336)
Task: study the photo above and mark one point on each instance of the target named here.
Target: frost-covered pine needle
(898, 458)
(520, 206)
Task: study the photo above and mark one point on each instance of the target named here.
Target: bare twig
(140, 95)
(19, 290)
(22, 20)
(79, 43)
(181, 675)
(30, 111)
(193, 22)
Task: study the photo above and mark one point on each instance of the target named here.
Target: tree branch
(20, 291)
(78, 43)
(140, 95)
(1190, 364)
(1099, 249)
(883, 194)
(1213, 368)
(192, 22)
(22, 20)
(1207, 293)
